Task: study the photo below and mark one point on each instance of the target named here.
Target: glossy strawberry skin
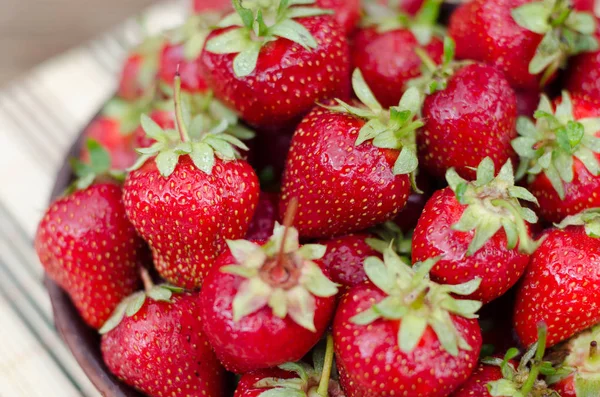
(345, 257)
(498, 267)
(371, 365)
(88, 246)
(566, 387)
(259, 340)
(161, 350)
(246, 384)
(340, 187)
(207, 5)
(388, 60)
(171, 60)
(584, 191)
(262, 223)
(288, 79)
(409, 6)
(476, 384)
(561, 287)
(107, 132)
(346, 12)
(187, 217)
(473, 118)
(485, 31)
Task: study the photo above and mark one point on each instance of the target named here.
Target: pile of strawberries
(313, 198)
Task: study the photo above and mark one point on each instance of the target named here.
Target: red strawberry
(107, 133)
(87, 245)
(210, 5)
(192, 196)
(584, 5)
(476, 385)
(267, 304)
(409, 6)
(560, 152)
(408, 217)
(346, 12)
(156, 344)
(564, 270)
(262, 224)
(343, 182)
(527, 102)
(478, 229)
(273, 81)
(527, 40)
(403, 334)
(583, 74)
(384, 49)
(470, 113)
(293, 379)
(138, 77)
(583, 364)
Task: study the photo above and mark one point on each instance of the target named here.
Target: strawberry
(583, 366)
(87, 245)
(565, 269)
(479, 229)
(267, 304)
(346, 12)
(154, 342)
(262, 224)
(583, 74)
(411, 7)
(199, 6)
(293, 379)
(182, 51)
(470, 113)
(503, 377)
(560, 154)
(138, 76)
(527, 40)
(107, 133)
(527, 102)
(408, 217)
(189, 192)
(402, 334)
(384, 48)
(271, 62)
(350, 167)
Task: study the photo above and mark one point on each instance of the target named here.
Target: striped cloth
(40, 117)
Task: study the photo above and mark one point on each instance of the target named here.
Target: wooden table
(34, 30)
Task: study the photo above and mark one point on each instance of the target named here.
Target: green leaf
(316, 282)
(387, 140)
(370, 130)
(252, 295)
(203, 157)
(589, 160)
(548, 52)
(245, 62)
(99, 157)
(364, 93)
(303, 12)
(391, 308)
(411, 331)
(260, 28)
(411, 100)
(135, 303)
(301, 308)
(231, 42)
(159, 293)
(295, 32)
(521, 193)
(534, 16)
(379, 275)
(502, 387)
(485, 171)
(454, 180)
(406, 163)
(115, 319)
(242, 271)
(449, 50)
(166, 162)
(365, 318)
(312, 251)
(486, 229)
(581, 22)
(282, 392)
(245, 14)
(194, 45)
(223, 149)
(564, 111)
(152, 129)
(527, 128)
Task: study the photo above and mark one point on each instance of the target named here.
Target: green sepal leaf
(411, 331)
(406, 163)
(295, 32)
(533, 16)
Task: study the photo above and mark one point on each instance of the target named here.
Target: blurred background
(34, 30)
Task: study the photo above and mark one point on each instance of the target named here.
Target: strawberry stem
(288, 221)
(183, 133)
(426, 59)
(535, 366)
(323, 389)
(146, 279)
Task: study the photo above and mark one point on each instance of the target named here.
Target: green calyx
(391, 235)
(435, 77)
(257, 22)
(280, 274)
(128, 113)
(523, 381)
(589, 219)
(133, 303)
(212, 132)
(193, 33)
(98, 166)
(312, 381)
(566, 32)
(393, 128)
(418, 302)
(423, 25)
(549, 145)
(493, 203)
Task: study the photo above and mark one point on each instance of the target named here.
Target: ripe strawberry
(346, 12)
(210, 5)
(189, 192)
(350, 166)
(583, 366)
(527, 102)
(384, 48)
(564, 269)
(107, 133)
(403, 334)
(408, 217)
(262, 224)
(273, 75)
(87, 245)
(583, 74)
(182, 51)
(560, 152)
(478, 229)
(155, 343)
(527, 40)
(470, 113)
(293, 379)
(138, 77)
(503, 377)
(411, 7)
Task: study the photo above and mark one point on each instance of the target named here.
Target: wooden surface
(34, 30)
